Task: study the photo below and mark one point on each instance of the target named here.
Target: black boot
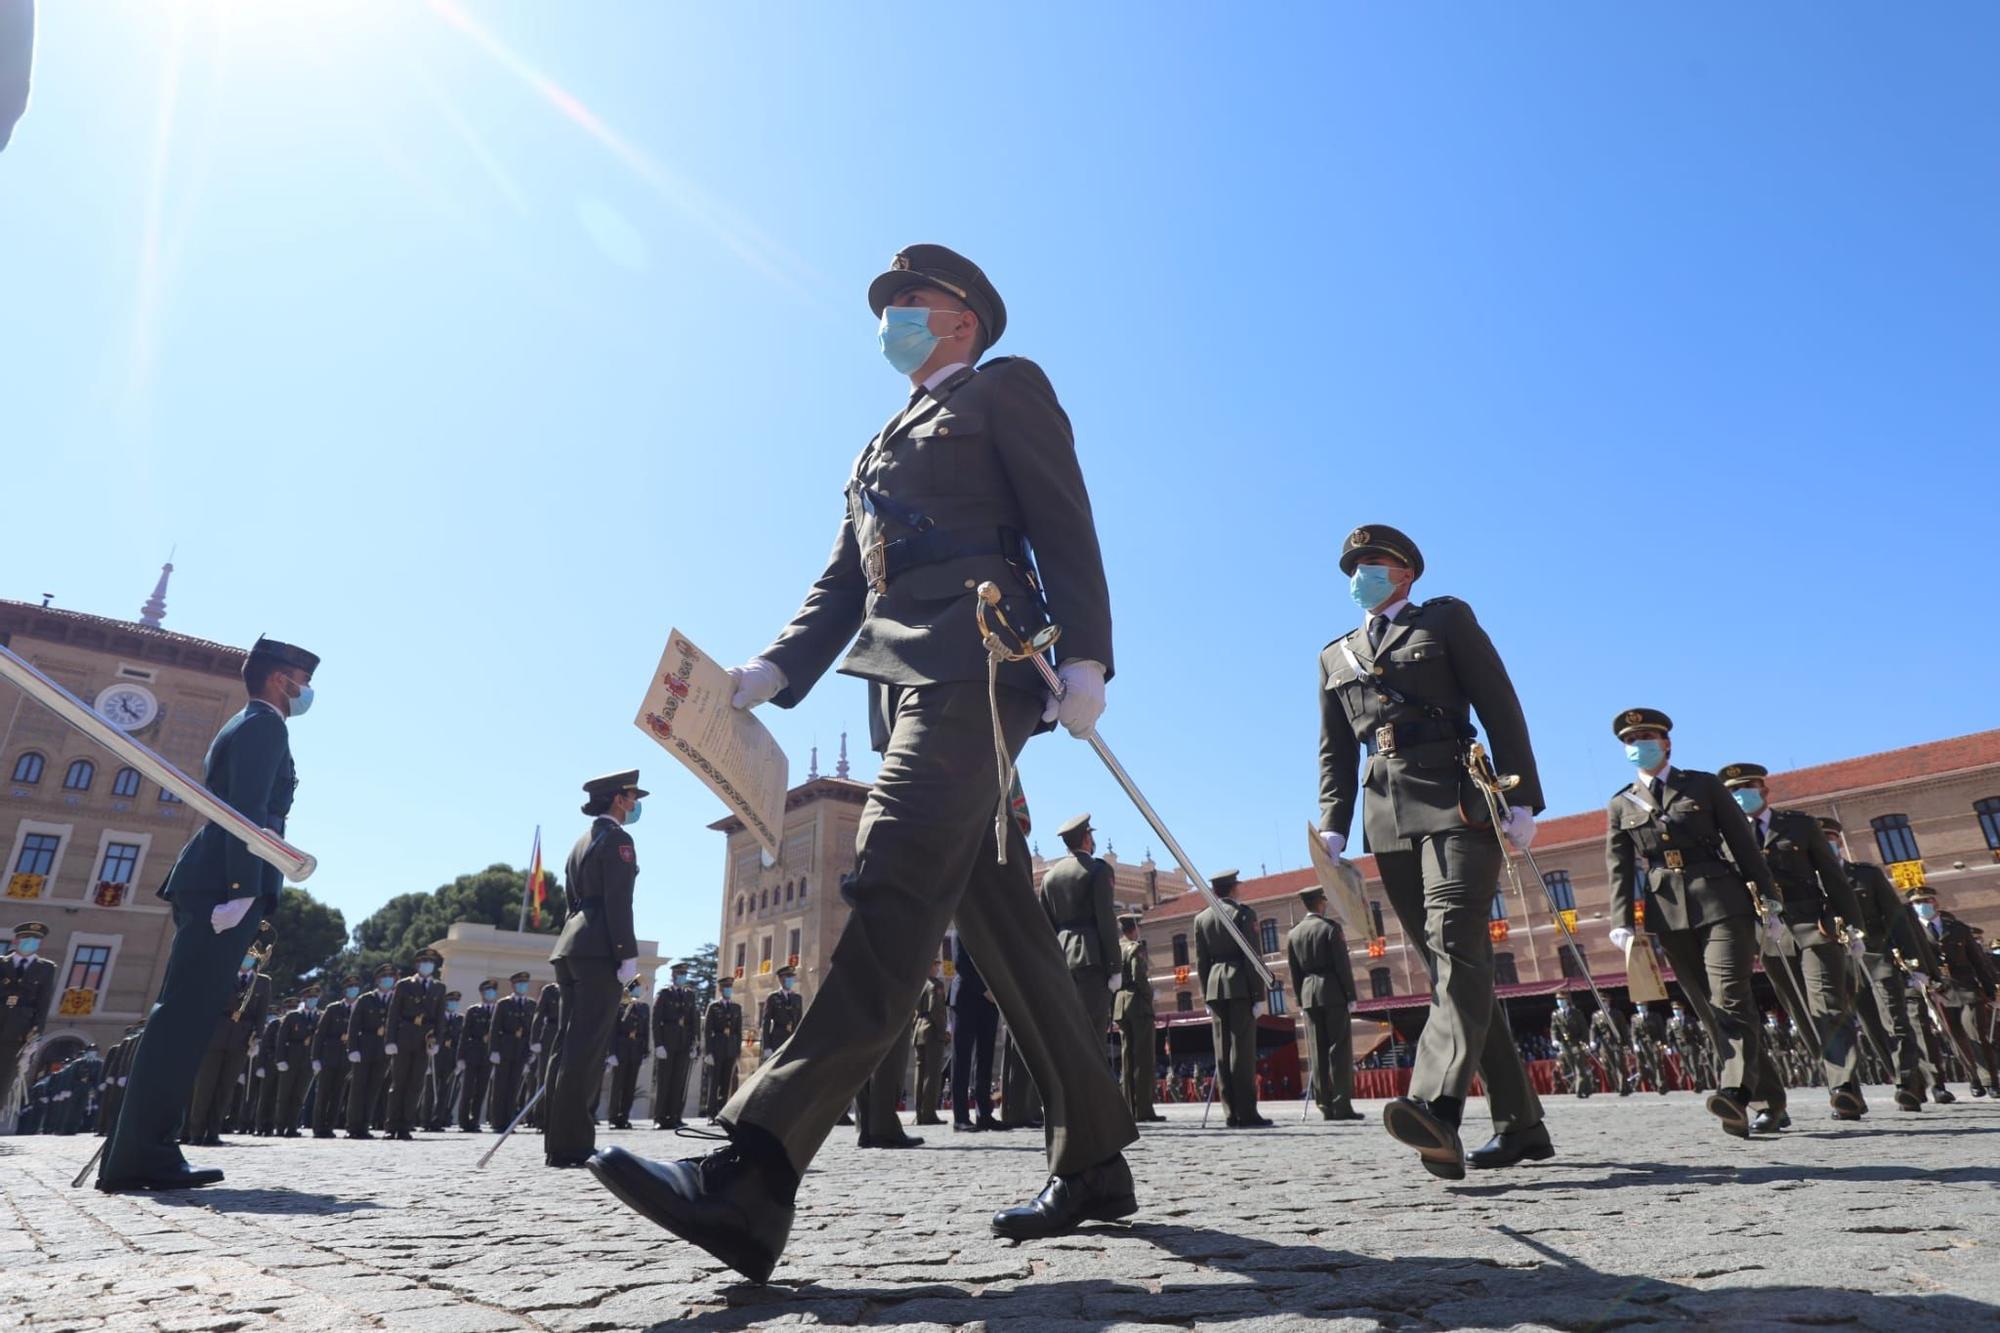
(736, 1202)
(1432, 1129)
(1103, 1193)
(1513, 1147)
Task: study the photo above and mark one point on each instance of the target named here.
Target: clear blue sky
(473, 349)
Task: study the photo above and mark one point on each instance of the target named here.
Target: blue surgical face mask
(302, 701)
(726, 995)
(425, 968)
(489, 995)
(354, 992)
(385, 983)
(905, 336)
(788, 983)
(249, 961)
(451, 1006)
(1926, 911)
(632, 815)
(1648, 755)
(520, 988)
(1370, 586)
(27, 944)
(312, 1002)
(1749, 798)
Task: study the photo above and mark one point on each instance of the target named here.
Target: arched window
(1894, 839)
(28, 768)
(802, 890)
(126, 783)
(789, 887)
(81, 774)
(739, 907)
(1277, 1004)
(1180, 951)
(1560, 890)
(1988, 810)
(1267, 938)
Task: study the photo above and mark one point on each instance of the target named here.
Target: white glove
(628, 970)
(1257, 1009)
(659, 1052)
(1113, 983)
(1621, 938)
(354, 1057)
(535, 1047)
(1920, 979)
(255, 1047)
(708, 1062)
(388, 1048)
(611, 1061)
(1083, 697)
(1774, 930)
(757, 681)
(123, 1081)
(1519, 826)
(284, 1067)
(1353, 1005)
(493, 1059)
(1335, 844)
(1856, 946)
(316, 1069)
(227, 916)
(459, 1067)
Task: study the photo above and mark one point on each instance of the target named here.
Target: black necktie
(1658, 789)
(1377, 626)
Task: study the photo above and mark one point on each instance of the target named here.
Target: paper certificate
(687, 711)
(1342, 883)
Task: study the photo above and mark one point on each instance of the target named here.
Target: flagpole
(527, 883)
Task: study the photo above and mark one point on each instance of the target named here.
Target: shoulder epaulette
(1441, 600)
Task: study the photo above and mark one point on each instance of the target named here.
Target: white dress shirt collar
(941, 374)
(1392, 610)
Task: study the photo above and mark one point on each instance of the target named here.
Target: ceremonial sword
(1934, 1010)
(1034, 650)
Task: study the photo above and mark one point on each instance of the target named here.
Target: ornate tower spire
(812, 769)
(155, 609)
(840, 769)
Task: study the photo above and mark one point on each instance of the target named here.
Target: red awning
(1521, 990)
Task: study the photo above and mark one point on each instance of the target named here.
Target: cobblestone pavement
(1648, 1215)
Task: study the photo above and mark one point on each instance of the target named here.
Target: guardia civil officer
(513, 1025)
(368, 1042)
(474, 1056)
(1323, 980)
(219, 894)
(974, 479)
(596, 958)
(1397, 697)
(27, 989)
(1815, 895)
(676, 1016)
(1076, 894)
(329, 1059)
(1677, 836)
(416, 1013)
(1888, 927)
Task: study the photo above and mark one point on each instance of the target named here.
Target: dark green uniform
(876, 1122)
(1323, 983)
(445, 1062)
(1965, 984)
(1076, 895)
(249, 767)
(1889, 927)
(932, 1039)
(474, 1066)
(778, 1020)
(292, 1062)
(416, 1012)
(598, 936)
(513, 1027)
(1232, 990)
(676, 1016)
(226, 1056)
(1396, 702)
(330, 1068)
(1132, 1011)
(628, 1046)
(368, 1058)
(544, 1049)
(1607, 1039)
(263, 1064)
(721, 1047)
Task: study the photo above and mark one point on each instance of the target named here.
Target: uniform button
(944, 430)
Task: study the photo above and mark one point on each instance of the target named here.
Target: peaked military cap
(1376, 539)
(310, 991)
(385, 970)
(1076, 825)
(31, 930)
(1742, 775)
(1223, 879)
(1130, 919)
(430, 953)
(452, 995)
(1312, 893)
(351, 979)
(1641, 719)
(1923, 891)
(788, 971)
(522, 976)
(494, 982)
(271, 652)
(678, 967)
(1831, 825)
(948, 271)
(601, 790)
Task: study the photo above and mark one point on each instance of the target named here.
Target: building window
(1560, 890)
(764, 955)
(1180, 951)
(802, 890)
(788, 890)
(1894, 839)
(1568, 957)
(28, 768)
(1183, 1003)
(1375, 915)
(1499, 912)
(792, 947)
(1379, 984)
(81, 774)
(86, 970)
(38, 854)
(126, 783)
(168, 798)
(1277, 1000)
(740, 947)
(1267, 938)
(1503, 970)
(1989, 820)
(121, 862)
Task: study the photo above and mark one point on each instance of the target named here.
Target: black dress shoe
(966, 1127)
(190, 1179)
(1909, 1099)
(566, 1163)
(359, 1134)
(994, 1124)
(1848, 1105)
(1767, 1122)
(323, 1134)
(1728, 1106)
(1101, 1194)
(1514, 1147)
(1943, 1096)
(1232, 1123)
(1033, 1122)
(1342, 1115)
(727, 1203)
(1411, 1120)
(1979, 1090)
(1156, 1116)
(1256, 1122)
(900, 1141)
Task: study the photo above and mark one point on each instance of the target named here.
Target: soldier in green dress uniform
(368, 1054)
(416, 1013)
(1323, 981)
(1077, 896)
(1888, 927)
(1132, 1011)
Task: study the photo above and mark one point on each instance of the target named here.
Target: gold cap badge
(899, 264)
(1360, 537)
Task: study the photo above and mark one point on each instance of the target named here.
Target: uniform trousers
(670, 1082)
(930, 1078)
(1233, 1025)
(1879, 1003)
(505, 1098)
(1441, 887)
(926, 855)
(407, 1070)
(1135, 1067)
(1713, 963)
(366, 1079)
(875, 1119)
(330, 1095)
(1330, 1038)
(472, 1085)
(589, 1014)
(973, 1031)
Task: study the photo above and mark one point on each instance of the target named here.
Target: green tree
(701, 965)
(407, 922)
(310, 935)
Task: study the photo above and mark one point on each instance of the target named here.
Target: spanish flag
(535, 887)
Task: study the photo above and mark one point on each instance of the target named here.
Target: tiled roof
(166, 636)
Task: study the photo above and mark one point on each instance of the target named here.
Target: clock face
(126, 706)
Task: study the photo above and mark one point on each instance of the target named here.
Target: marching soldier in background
(628, 1053)
(117, 1070)
(1020, 1096)
(1692, 1048)
(1607, 1038)
(227, 1054)
(1815, 898)
(219, 894)
(544, 1048)
(445, 1064)
(329, 1058)
(1679, 837)
(1132, 1011)
(265, 1063)
(512, 1050)
(1965, 980)
(779, 1018)
(975, 1026)
(1230, 988)
(27, 991)
(368, 1052)
(596, 958)
(1076, 896)
(933, 1044)
(292, 1059)
(416, 1012)
(676, 1017)
(1323, 980)
(1572, 1033)
(1397, 697)
(876, 1123)
(474, 1054)
(721, 1045)
(1649, 1036)
(1888, 926)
